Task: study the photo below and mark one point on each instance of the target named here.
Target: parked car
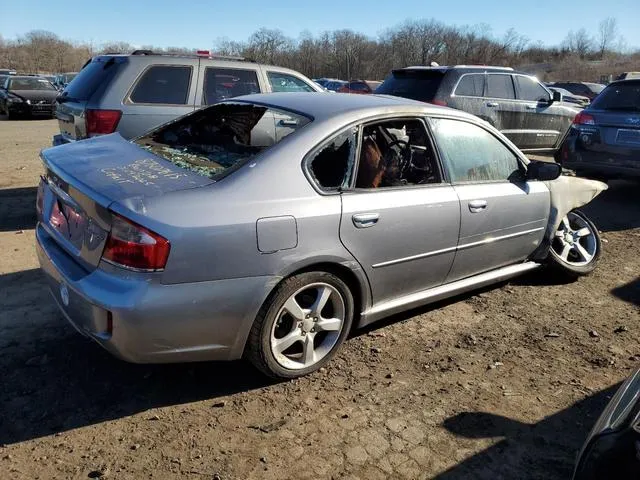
(629, 76)
(569, 97)
(515, 103)
(226, 234)
(586, 89)
(50, 78)
(356, 86)
(7, 71)
(27, 95)
(612, 449)
(335, 85)
(131, 94)
(63, 79)
(604, 140)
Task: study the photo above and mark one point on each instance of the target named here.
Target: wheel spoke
(583, 232)
(583, 252)
(295, 310)
(281, 344)
(323, 297)
(565, 224)
(566, 248)
(329, 324)
(308, 352)
(560, 233)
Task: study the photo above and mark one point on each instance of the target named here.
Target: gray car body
(234, 241)
(137, 118)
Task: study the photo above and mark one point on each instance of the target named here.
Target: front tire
(575, 246)
(301, 326)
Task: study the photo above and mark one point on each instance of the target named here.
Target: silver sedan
(270, 226)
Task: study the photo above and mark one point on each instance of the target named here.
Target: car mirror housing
(537, 170)
(556, 97)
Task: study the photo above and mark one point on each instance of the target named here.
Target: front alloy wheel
(575, 246)
(302, 326)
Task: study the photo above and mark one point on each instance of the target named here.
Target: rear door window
(500, 86)
(419, 85)
(163, 84)
(471, 85)
(282, 82)
(529, 89)
(223, 83)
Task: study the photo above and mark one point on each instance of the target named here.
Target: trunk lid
(618, 128)
(83, 179)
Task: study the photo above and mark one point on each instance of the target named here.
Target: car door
(501, 108)
(402, 227)
(543, 120)
(502, 216)
(468, 96)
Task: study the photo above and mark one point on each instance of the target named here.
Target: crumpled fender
(568, 193)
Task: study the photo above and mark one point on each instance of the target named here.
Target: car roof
(324, 106)
(461, 68)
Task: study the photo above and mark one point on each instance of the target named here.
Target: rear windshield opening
(96, 73)
(621, 97)
(217, 140)
(419, 85)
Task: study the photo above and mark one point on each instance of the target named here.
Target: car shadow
(549, 446)
(55, 380)
(617, 208)
(629, 292)
(18, 208)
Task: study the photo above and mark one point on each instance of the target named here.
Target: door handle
(365, 220)
(492, 104)
(288, 123)
(476, 206)
(531, 107)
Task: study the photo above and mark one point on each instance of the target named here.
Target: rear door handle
(476, 206)
(365, 220)
(493, 104)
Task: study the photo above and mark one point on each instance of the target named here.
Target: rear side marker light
(132, 246)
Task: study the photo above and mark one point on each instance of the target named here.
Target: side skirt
(424, 297)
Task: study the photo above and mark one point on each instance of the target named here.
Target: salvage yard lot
(502, 383)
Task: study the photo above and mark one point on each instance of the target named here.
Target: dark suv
(517, 104)
(133, 93)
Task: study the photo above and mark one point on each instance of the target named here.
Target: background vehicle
(612, 449)
(63, 79)
(131, 94)
(356, 86)
(569, 97)
(586, 89)
(27, 95)
(7, 71)
(604, 140)
(223, 241)
(334, 85)
(515, 103)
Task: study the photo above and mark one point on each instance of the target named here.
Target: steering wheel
(404, 161)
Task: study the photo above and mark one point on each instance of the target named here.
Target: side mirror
(537, 170)
(556, 97)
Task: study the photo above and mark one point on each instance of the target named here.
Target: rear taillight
(100, 122)
(442, 103)
(133, 246)
(584, 119)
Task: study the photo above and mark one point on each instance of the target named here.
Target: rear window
(500, 86)
(99, 71)
(223, 83)
(163, 84)
(622, 97)
(217, 140)
(419, 85)
(471, 85)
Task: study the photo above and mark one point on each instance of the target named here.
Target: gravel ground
(502, 383)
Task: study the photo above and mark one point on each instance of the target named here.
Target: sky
(199, 23)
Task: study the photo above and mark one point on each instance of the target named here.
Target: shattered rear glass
(215, 141)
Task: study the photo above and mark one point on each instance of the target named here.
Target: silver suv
(133, 93)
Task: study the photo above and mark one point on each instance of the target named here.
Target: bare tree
(579, 42)
(607, 35)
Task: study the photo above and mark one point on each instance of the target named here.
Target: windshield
(26, 83)
(621, 96)
(419, 85)
(216, 140)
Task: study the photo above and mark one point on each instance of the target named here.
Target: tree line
(347, 54)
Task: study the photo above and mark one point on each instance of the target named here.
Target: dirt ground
(503, 383)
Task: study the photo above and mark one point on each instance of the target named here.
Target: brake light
(101, 122)
(133, 246)
(442, 103)
(584, 119)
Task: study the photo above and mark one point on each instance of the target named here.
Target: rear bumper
(141, 321)
(606, 160)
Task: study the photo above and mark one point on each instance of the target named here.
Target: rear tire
(575, 247)
(301, 326)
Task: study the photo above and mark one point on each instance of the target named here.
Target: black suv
(517, 104)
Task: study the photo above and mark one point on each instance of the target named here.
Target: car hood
(36, 95)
